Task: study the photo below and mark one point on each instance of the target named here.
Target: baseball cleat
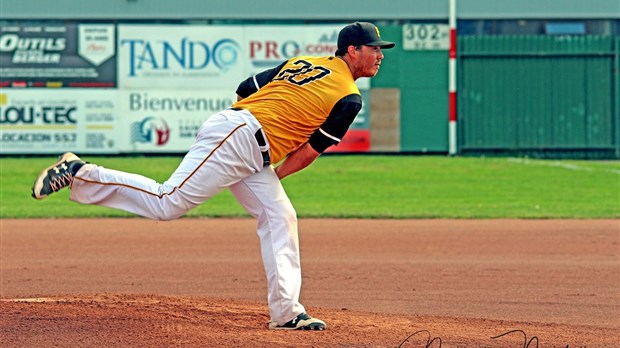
(56, 177)
(301, 322)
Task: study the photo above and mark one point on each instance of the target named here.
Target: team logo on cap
(377, 30)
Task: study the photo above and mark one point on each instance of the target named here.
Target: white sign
(96, 42)
(430, 36)
(34, 121)
(180, 56)
(268, 46)
(166, 121)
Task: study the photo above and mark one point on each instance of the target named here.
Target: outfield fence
(114, 87)
(539, 93)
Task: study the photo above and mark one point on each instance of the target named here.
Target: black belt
(260, 139)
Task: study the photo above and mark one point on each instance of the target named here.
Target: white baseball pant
(226, 154)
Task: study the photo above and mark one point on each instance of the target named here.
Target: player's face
(367, 61)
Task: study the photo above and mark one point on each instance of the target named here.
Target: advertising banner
(180, 57)
(42, 121)
(166, 121)
(270, 45)
(45, 55)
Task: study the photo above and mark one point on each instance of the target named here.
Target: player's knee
(289, 214)
(166, 218)
(166, 215)
(282, 211)
(168, 209)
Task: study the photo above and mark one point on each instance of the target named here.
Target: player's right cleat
(56, 177)
(300, 322)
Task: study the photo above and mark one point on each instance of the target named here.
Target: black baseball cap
(360, 33)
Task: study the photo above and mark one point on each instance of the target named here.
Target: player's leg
(225, 152)
(263, 196)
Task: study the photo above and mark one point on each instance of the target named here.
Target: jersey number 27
(304, 73)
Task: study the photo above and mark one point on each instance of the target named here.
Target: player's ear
(352, 50)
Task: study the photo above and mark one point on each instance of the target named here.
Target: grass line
(371, 187)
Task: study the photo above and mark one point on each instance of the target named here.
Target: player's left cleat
(301, 322)
(56, 177)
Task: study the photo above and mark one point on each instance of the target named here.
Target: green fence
(539, 94)
(422, 77)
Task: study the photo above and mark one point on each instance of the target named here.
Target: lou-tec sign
(172, 57)
(37, 114)
(56, 120)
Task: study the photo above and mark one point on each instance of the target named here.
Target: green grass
(372, 187)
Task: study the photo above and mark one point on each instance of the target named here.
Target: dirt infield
(200, 283)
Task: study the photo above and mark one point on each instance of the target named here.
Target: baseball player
(289, 114)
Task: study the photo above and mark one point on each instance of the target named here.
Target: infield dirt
(200, 283)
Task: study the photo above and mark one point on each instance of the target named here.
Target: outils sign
(40, 55)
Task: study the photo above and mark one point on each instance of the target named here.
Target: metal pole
(452, 140)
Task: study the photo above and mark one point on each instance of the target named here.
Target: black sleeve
(256, 82)
(337, 123)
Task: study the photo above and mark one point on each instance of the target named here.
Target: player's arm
(330, 133)
(296, 161)
(253, 83)
(337, 123)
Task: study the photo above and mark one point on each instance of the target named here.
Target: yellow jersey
(305, 97)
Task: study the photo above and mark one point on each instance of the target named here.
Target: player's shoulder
(330, 62)
(313, 59)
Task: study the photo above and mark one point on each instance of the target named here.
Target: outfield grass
(372, 187)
